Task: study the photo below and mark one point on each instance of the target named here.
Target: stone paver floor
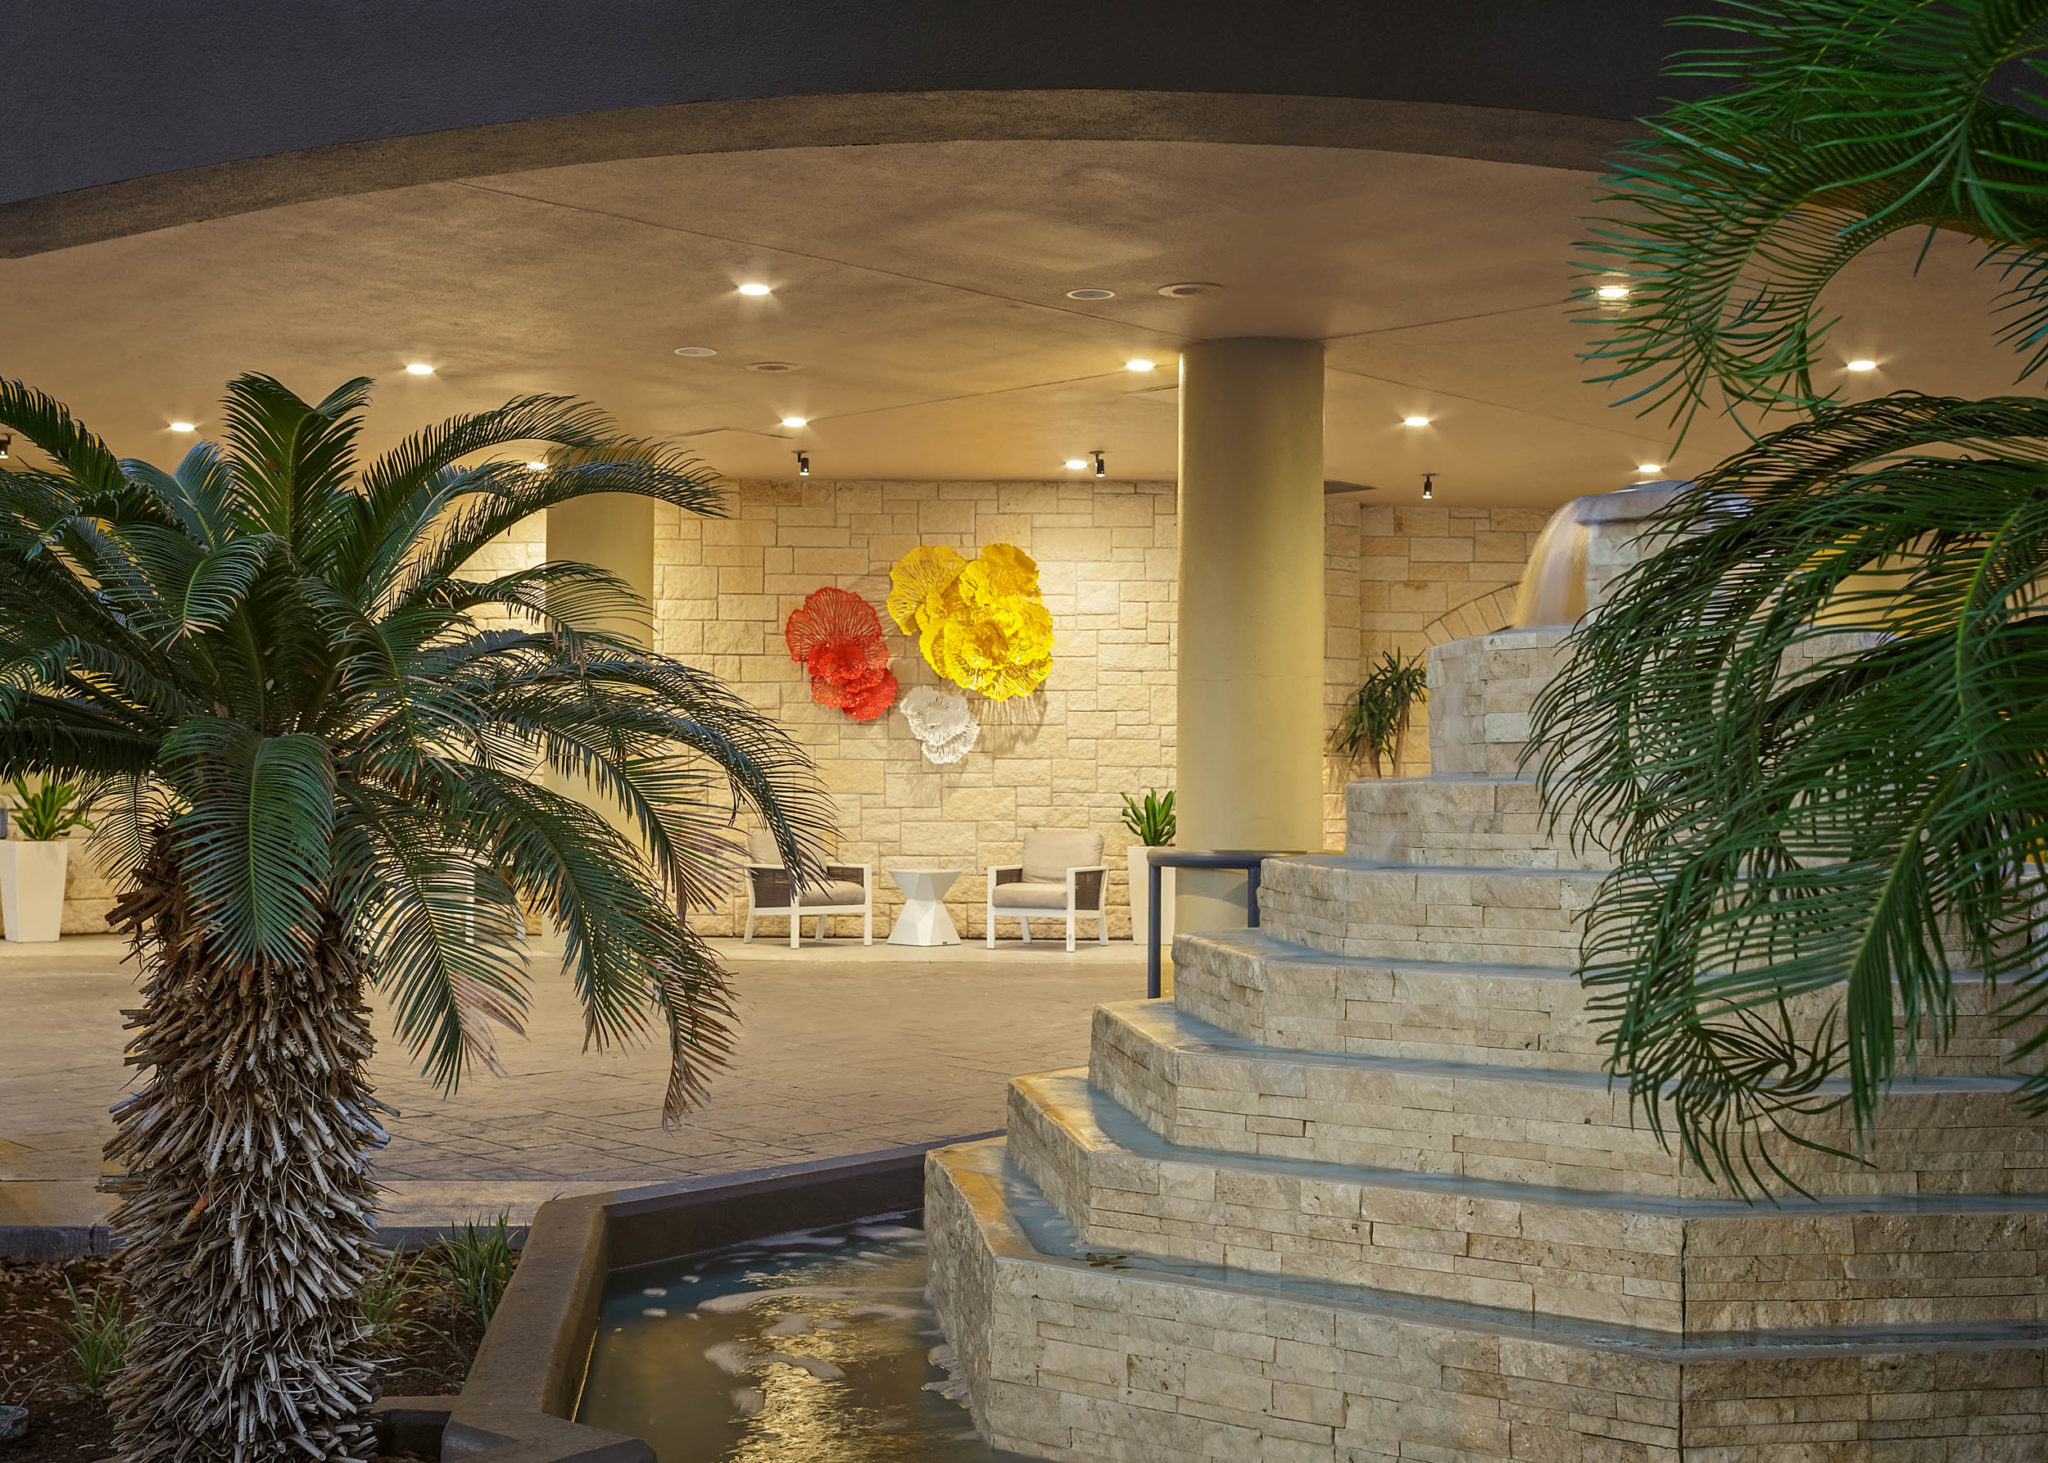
(842, 1049)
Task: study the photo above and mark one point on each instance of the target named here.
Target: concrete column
(1250, 681)
(614, 531)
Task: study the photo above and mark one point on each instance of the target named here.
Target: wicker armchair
(847, 889)
(1062, 877)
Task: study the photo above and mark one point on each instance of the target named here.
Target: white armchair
(847, 889)
(1062, 877)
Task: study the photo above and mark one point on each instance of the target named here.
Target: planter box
(32, 888)
(1140, 893)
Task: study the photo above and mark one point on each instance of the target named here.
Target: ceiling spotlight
(1188, 289)
(1862, 366)
(754, 288)
(803, 464)
(1415, 421)
(1091, 294)
(1139, 363)
(773, 368)
(5, 442)
(1101, 468)
(536, 467)
(1075, 464)
(183, 427)
(1649, 467)
(796, 421)
(418, 368)
(695, 352)
(1612, 292)
(1428, 485)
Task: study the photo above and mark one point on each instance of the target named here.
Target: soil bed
(68, 1423)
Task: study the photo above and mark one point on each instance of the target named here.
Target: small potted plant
(1152, 824)
(1374, 727)
(33, 865)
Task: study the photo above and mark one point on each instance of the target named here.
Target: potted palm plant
(1374, 727)
(330, 743)
(33, 866)
(1152, 824)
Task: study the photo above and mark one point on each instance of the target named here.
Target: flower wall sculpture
(979, 623)
(838, 636)
(942, 722)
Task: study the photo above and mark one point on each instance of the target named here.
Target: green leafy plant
(1374, 725)
(313, 716)
(47, 812)
(1151, 822)
(473, 1265)
(1811, 725)
(100, 1334)
(386, 1298)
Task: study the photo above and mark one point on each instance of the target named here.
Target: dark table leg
(1152, 933)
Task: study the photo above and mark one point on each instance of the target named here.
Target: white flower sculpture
(941, 721)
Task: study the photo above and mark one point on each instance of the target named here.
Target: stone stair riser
(1081, 1364)
(1494, 822)
(1390, 912)
(1307, 1001)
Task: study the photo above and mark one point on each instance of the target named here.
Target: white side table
(924, 920)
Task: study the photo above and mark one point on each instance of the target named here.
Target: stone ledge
(1470, 820)
(1522, 1124)
(1659, 1263)
(1492, 914)
(1184, 1364)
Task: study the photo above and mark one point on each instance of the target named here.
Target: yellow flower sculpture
(980, 624)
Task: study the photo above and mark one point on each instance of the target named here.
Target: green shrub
(1151, 822)
(50, 811)
(99, 1334)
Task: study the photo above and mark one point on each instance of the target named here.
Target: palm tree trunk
(247, 1212)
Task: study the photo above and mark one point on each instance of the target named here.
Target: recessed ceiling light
(1139, 363)
(1612, 292)
(184, 427)
(695, 352)
(1415, 421)
(1649, 467)
(1862, 365)
(1075, 464)
(418, 368)
(771, 366)
(753, 287)
(1091, 294)
(796, 421)
(1188, 289)
(536, 467)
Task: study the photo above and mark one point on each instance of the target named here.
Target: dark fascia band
(522, 1390)
(220, 190)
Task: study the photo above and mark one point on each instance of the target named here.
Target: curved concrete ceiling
(921, 293)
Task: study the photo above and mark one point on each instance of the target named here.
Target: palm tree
(1818, 716)
(314, 738)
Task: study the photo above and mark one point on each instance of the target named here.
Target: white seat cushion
(1049, 854)
(835, 892)
(1032, 895)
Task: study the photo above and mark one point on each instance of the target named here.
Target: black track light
(803, 464)
(5, 442)
(1428, 486)
(1101, 469)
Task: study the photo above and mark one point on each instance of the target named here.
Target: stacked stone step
(1363, 1190)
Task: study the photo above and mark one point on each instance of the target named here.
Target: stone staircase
(1361, 1190)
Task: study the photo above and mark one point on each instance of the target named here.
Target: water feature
(818, 1345)
(1565, 572)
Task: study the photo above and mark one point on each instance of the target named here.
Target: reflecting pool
(818, 1346)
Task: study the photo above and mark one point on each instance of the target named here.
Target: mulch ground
(69, 1424)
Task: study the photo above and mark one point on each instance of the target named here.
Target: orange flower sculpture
(981, 623)
(838, 638)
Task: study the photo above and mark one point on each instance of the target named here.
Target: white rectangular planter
(32, 888)
(1141, 893)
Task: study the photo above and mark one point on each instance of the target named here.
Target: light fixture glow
(1862, 365)
(796, 421)
(752, 287)
(1649, 467)
(418, 368)
(183, 427)
(1612, 292)
(1091, 293)
(536, 467)
(1075, 464)
(1415, 421)
(1139, 363)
